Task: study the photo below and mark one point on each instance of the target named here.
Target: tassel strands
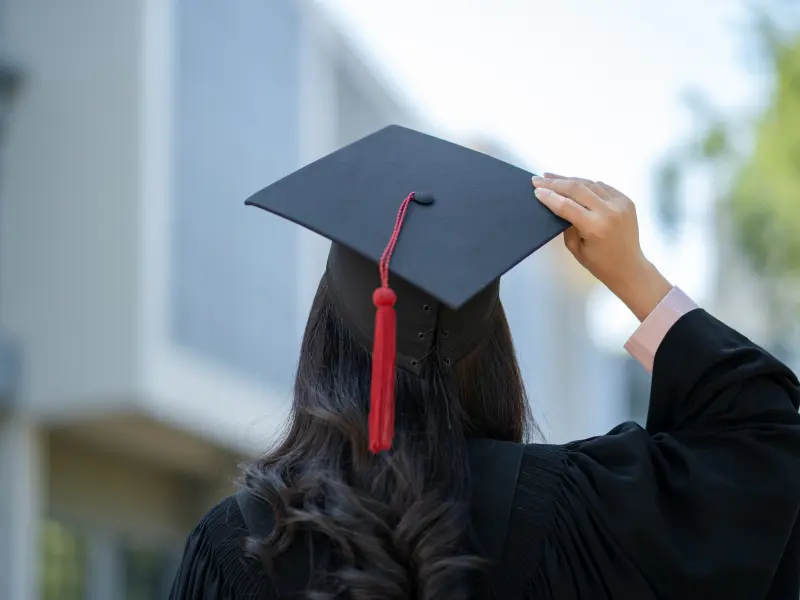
(384, 350)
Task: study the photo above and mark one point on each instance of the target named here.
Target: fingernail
(537, 180)
(541, 193)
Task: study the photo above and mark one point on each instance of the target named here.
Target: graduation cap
(444, 221)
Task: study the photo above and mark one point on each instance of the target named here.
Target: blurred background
(150, 324)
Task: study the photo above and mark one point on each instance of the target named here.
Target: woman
(418, 483)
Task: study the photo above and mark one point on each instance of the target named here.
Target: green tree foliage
(764, 199)
(754, 164)
(761, 184)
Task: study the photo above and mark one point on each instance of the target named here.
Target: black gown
(702, 503)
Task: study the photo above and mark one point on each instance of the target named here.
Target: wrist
(642, 289)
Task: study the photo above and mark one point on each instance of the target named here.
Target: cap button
(423, 198)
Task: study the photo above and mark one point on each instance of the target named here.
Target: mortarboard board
(447, 221)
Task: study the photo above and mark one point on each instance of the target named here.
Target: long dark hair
(397, 522)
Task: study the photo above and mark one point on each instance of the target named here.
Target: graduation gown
(701, 503)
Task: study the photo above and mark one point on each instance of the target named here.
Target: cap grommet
(447, 361)
(424, 198)
(414, 362)
(426, 307)
(421, 335)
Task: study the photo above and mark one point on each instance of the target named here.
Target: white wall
(69, 187)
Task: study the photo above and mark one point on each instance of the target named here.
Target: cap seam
(366, 339)
(462, 350)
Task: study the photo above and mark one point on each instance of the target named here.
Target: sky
(579, 87)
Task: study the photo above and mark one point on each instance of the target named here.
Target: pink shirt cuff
(643, 344)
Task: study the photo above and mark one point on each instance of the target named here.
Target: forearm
(643, 288)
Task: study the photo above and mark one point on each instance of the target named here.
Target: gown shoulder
(214, 565)
(702, 502)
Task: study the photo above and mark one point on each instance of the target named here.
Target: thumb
(572, 240)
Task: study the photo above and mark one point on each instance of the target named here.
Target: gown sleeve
(213, 566)
(703, 502)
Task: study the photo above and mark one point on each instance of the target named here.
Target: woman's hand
(604, 238)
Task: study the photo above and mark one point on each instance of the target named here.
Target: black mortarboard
(462, 220)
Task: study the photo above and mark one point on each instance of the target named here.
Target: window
(236, 130)
(64, 557)
(8, 81)
(9, 367)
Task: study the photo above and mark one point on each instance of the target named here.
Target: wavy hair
(398, 522)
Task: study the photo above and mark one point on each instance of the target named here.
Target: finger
(609, 192)
(616, 199)
(564, 207)
(572, 240)
(601, 190)
(549, 175)
(609, 188)
(574, 190)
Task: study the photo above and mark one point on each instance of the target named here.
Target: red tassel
(384, 350)
(381, 413)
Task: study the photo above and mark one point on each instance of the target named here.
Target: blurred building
(761, 307)
(156, 321)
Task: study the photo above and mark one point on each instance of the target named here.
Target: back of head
(398, 521)
(375, 458)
